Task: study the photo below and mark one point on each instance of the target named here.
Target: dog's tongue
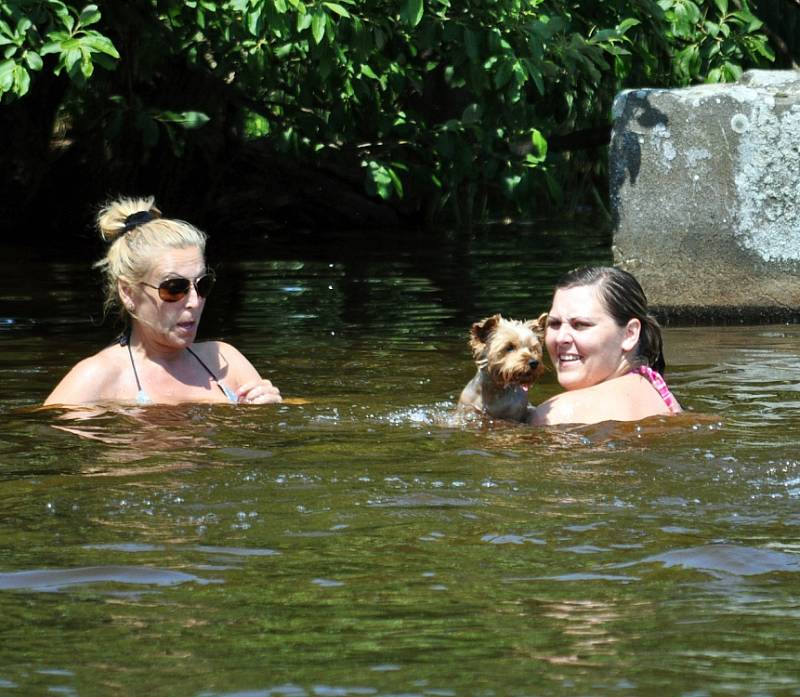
(524, 387)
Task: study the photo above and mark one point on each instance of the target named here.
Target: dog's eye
(509, 348)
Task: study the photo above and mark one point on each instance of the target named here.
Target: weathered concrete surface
(705, 193)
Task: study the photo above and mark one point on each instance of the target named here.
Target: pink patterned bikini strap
(657, 381)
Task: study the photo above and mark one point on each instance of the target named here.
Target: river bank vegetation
(286, 114)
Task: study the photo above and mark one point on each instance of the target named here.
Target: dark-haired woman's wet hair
(624, 300)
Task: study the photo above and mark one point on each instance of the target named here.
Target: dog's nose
(533, 363)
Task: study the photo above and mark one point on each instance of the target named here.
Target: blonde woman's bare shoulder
(91, 380)
(225, 359)
(219, 353)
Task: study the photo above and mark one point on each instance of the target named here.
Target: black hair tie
(134, 220)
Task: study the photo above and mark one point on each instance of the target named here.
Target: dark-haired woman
(156, 278)
(606, 349)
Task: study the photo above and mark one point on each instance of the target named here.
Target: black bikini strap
(208, 370)
(133, 365)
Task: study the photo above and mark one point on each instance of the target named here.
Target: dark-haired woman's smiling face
(585, 344)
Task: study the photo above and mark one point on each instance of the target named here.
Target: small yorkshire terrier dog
(508, 354)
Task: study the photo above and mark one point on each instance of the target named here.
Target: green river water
(366, 541)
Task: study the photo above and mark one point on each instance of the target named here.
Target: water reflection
(364, 538)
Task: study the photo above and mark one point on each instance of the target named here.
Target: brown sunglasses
(174, 289)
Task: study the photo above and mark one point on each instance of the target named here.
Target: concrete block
(705, 195)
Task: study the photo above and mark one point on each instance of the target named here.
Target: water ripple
(50, 580)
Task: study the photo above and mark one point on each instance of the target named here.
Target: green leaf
(100, 44)
(722, 6)
(22, 81)
(303, 21)
(318, 26)
(67, 20)
(87, 66)
(510, 183)
(381, 180)
(503, 74)
(412, 11)
(535, 74)
(253, 21)
(7, 76)
(472, 115)
(50, 47)
(539, 153)
(337, 8)
(398, 185)
(753, 23)
(189, 120)
(369, 72)
(71, 58)
(22, 26)
(34, 60)
(104, 61)
(89, 15)
(626, 24)
(693, 11)
(520, 76)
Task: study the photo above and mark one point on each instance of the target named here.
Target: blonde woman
(156, 278)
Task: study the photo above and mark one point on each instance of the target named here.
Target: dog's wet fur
(508, 356)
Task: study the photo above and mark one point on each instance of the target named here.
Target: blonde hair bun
(112, 219)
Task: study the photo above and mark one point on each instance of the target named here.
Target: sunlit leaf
(318, 26)
(539, 143)
(626, 24)
(22, 80)
(369, 72)
(100, 44)
(412, 11)
(303, 21)
(337, 8)
(87, 66)
(89, 15)
(185, 119)
(7, 75)
(50, 47)
(34, 60)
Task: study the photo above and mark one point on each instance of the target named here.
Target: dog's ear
(481, 331)
(538, 325)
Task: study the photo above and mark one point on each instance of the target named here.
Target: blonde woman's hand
(259, 392)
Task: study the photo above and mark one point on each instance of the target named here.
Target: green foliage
(443, 104)
(713, 40)
(30, 30)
